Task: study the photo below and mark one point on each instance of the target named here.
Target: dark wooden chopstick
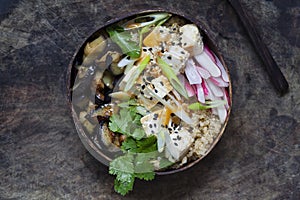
(276, 76)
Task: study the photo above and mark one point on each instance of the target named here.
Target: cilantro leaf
(127, 122)
(129, 145)
(122, 164)
(123, 187)
(139, 152)
(145, 176)
(143, 162)
(124, 40)
(147, 145)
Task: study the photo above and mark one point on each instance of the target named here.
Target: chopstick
(276, 76)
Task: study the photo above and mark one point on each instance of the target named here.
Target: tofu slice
(161, 86)
(176, 57)
(191, 39)
(152, 123)
(178, 143)
(158, 35)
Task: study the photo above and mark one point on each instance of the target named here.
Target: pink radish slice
(222, 113)
(223, 71)
(189, 89)
(200, 93)
(205, 89)
(203, 72)
(205, 61)
(215, 89)
(210, 53)
(218, 81)
(209, 94)
(191, 73)
(226, 97)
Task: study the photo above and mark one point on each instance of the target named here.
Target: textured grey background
(41, 156)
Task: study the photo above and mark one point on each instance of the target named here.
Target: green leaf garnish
(127, 122)
(207, 105)
(124, 40)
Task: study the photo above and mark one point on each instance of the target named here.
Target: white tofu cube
(176, 57)
(178, 143)
(151, 123)
(191, 39)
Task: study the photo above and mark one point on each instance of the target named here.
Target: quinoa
(206, 128)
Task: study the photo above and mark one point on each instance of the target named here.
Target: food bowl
(92, 107)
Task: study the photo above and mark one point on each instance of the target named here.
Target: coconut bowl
(91, 140)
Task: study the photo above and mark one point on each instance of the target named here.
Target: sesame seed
(172, 115)
(155, 91)
(161, 31)
(170, 129)
(182, 52)
(169, 57)
(144, 50)
(175, 144)
(154, 125)
(155, 115)
(150, 125)
(184, 44)
(151, 98)
(142, 93)
(152, 132)
(143, 87)
(150, 49)
(175, 139)
(162, 84)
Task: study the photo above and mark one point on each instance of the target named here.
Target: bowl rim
(94, 151)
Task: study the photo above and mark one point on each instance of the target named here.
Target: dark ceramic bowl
(99, 151)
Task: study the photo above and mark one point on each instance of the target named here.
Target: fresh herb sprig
(138, 151)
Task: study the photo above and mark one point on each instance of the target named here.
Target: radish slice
(210, 53)
(215, 89)
(203, 72)
(222, 113)
(191, 73)
(189, 89)
(200, 93)
(226, 97)
(223, 71)
(218, 81)
(205, 89)
(205, 61)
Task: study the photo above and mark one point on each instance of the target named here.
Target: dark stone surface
(41, 156)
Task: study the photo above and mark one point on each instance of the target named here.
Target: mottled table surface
(42, 157)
